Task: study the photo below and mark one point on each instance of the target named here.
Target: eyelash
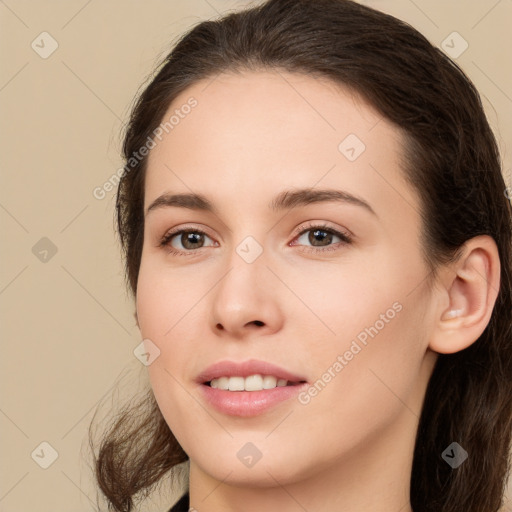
(346, 239)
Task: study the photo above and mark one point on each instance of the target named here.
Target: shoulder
(182, 504)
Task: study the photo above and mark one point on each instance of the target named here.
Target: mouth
(248, 388)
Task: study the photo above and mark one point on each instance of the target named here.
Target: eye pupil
(319, 235)
(191, 238)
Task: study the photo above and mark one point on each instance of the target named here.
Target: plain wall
(67, 324)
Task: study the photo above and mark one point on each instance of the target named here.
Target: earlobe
(471, 285)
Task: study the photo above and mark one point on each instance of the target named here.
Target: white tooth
(223, 382)
(269, 382)
(236, 383)
(254, 383)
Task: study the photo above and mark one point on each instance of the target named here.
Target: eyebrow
(285, 200)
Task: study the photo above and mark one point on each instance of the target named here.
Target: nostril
(258, 322)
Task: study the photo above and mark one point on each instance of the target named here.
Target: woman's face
(330, 287)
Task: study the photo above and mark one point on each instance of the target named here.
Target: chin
(259, 476)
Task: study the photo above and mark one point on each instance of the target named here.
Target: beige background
(68, 329)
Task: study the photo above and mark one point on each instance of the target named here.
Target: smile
(248, 388)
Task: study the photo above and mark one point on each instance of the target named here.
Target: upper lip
(244, 369)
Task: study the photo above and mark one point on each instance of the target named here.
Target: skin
(350, 448)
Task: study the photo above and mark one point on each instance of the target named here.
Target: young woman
(318, 239)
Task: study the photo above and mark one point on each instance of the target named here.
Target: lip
(244, 369)
(247, 403)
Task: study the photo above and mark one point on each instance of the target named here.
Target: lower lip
(249, 403)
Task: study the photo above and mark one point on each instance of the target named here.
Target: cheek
(157, 312)
(372, 359)
(371, 375)
(148, 301)
(169, 312)
(373, 385)
(165, 299)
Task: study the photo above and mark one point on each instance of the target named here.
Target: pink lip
(244, 369)
(247, 403)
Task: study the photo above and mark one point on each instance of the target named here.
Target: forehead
(273, 110)
(255, 133)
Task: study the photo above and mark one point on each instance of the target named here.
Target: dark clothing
(182, 505)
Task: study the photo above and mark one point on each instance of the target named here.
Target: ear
(466, 297)
(136, 318)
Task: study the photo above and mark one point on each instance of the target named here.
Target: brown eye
(184, 240)
(191, 239)
(322, 237)
(319, 237)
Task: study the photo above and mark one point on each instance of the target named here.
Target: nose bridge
(244, 296)
(247, 268)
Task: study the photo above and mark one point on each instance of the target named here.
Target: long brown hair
(453, 163)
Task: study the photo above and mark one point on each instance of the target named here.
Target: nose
(246, 300)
